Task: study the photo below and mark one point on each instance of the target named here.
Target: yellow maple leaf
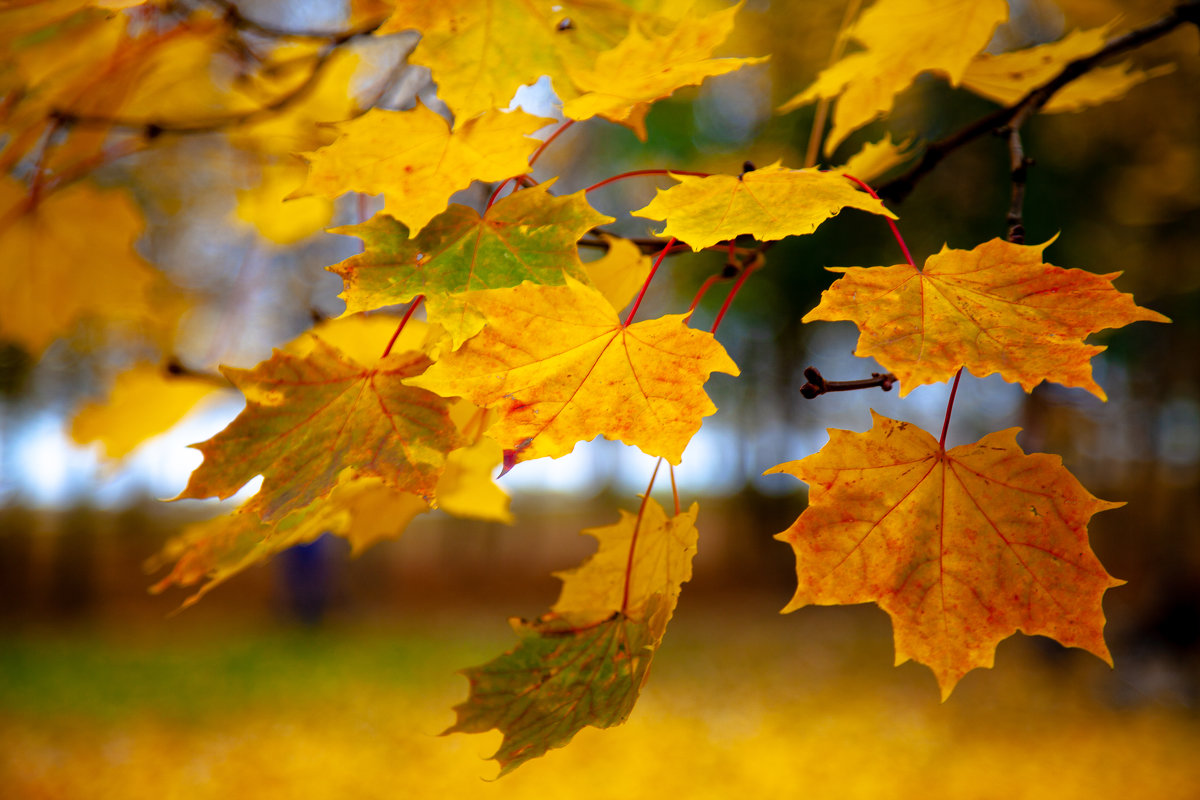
(962, 548)
(417, 162)
(144, 402)
(767, 203)
(68, 257)
(997, 308)
(558, 367)
(264, 206)
(1008, 77)
(466, 488)
(876, 158)
(642, 69)
(620, 272)
(481, 51)
(901, 40)
(614, 580)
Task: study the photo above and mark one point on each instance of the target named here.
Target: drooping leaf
(586, 661)
(901, 40)
(69, 257)
(466, 488)
(962, 548)
(417, 162)
(558, 367)
(767, 203)
(612, 581)
(362, 510)
(642, 69)
(997, 308)
(144, 402)
(1008, 77)
(528, 236)
(313, 421)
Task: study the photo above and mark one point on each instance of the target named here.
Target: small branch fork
(817, 385)
(1014, 116)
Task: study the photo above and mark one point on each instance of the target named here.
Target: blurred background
(323, 675)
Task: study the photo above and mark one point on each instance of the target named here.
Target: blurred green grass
(740, 703)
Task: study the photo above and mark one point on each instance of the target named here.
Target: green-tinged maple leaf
(586, 661)
(996, 308)
(70, 257)
(308, 420)
(528, 236)
(962, 548)
(362, 510)
(417, 162)
(901, 40)
(1008, 77)
(642, 69)
(768, 203)
(558, 367)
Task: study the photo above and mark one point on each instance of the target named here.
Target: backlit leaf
(901, 40)
(1008, 77)
(619, 273)
(66, 258)
(144, 402)
(996, 308)
(768, 203)
(962, 548)
(558, 367)
(313, 421)
(417, 162)
(642, 69)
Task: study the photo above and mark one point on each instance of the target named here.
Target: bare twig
(1020, 166)
(817, 385)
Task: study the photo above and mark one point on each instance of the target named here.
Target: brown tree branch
(1014, 116)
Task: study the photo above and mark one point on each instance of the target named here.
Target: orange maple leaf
(962, 548)
(559, 367)
(996, 308)
(314, 420)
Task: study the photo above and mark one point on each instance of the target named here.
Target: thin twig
(1016, 208)
(817, 385)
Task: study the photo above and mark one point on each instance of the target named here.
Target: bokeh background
(319, 675)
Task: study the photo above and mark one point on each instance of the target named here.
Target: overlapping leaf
(51, 254)
(529, 235)
(768, 203)
(962, 548)
(901, 40)
(997, 308)
(640, 70)
(481, 51)
(585, 663)
(1008, 77)
(417, 162)
(313, 421)
(558, 367)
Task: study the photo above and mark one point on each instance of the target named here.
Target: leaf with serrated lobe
(997, 308)
(558, 367)
(768, 203)
(962, 548)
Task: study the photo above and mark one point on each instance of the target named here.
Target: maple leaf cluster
(525, 350)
